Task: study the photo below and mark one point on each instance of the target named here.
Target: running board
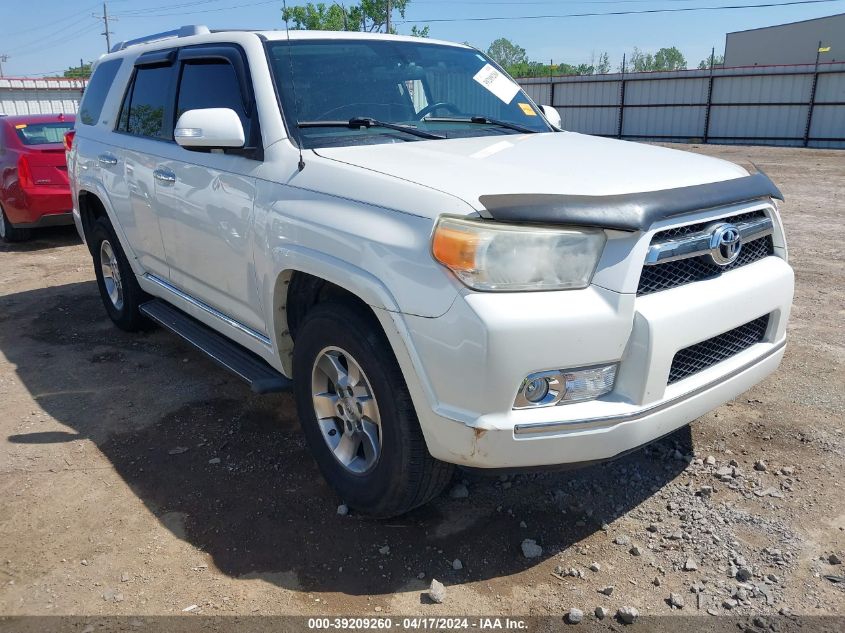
(254, 371)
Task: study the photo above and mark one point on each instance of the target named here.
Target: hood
(554, 163)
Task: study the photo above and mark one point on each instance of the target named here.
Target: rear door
(143, 123)
(205, 198)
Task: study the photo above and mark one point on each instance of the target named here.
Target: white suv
(393, 228)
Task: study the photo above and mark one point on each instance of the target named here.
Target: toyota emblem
(725, 244)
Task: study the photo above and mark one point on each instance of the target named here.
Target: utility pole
(389, 9)
(3, 60)
(106, 19)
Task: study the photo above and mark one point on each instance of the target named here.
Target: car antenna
(301, 164)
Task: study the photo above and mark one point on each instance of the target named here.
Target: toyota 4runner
(393, 229)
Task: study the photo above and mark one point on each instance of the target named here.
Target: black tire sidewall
(13, 234)
(334, 324)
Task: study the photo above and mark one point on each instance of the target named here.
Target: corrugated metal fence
(23, 95)
(761, 105)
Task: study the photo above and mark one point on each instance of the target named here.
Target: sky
(44, 37)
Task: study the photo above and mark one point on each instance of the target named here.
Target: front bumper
(472, 360)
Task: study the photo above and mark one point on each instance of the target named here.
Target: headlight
(492, 256)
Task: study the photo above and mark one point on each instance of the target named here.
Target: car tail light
(69, 139)
(25, 173)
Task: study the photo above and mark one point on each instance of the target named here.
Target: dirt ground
(103, 512)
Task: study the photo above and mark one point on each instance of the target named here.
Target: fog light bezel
(560, 383)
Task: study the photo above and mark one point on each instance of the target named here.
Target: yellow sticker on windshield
(20, 126)
(527, 109)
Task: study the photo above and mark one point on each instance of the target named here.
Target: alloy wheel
(111, 274)
(346, 410)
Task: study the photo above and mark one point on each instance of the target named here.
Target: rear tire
(119, 290)
(389, 471)
(9, 233)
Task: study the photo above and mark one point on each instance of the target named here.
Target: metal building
(27, 95)
(793, 43)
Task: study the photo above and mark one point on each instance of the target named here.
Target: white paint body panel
(222, 239)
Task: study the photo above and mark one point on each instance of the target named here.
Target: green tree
(366, 15)
(79, 72)
(669, 59)
(602, 64)
(506, 53)
(718, 60)
(664, 59)
(319, 17)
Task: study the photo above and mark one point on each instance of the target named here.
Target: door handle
(164, 176)
(107, 159)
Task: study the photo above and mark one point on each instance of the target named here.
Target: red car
(34, 190)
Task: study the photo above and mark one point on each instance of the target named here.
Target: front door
(205, 199)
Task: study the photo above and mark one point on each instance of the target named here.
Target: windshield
(448, 91)
(42, 133)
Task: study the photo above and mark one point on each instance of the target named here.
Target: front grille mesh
(684, 271)
(695, 358)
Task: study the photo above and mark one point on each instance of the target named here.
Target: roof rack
(184, 31)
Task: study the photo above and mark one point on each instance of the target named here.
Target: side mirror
(209, 128)
(552, 116)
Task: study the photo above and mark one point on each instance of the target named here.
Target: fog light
(536, 390)
(547, 388)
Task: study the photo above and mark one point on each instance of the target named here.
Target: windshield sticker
(497, 83)
(527, 110)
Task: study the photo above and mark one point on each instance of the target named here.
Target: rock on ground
(436, 591)
(530, 549)
(627, 615)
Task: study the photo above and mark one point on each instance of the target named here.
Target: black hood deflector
(629, 211)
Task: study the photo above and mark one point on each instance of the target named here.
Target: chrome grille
(695, 358)
(683, 271)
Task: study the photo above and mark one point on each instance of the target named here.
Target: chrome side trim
(258, 336)
(697, 244)
(538, 428)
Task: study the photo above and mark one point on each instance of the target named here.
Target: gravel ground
(137, 478)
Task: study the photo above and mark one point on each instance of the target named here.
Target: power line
(164, 15)
(39, 41)
(631, 12)
(49, 24)
(146, 10)
(57, 42)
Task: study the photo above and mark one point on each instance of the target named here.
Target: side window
(145, 103)
(211, 84)
(97, 91)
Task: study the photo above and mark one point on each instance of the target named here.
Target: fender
(367, 287)
(94, 187)
(293, 258)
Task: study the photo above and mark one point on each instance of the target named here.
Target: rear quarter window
(97, 91)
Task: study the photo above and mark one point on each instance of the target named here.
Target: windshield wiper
(483, 120)
(368, 122)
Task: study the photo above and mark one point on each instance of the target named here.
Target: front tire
(357, 414)
(9, 233)
(119, 290)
